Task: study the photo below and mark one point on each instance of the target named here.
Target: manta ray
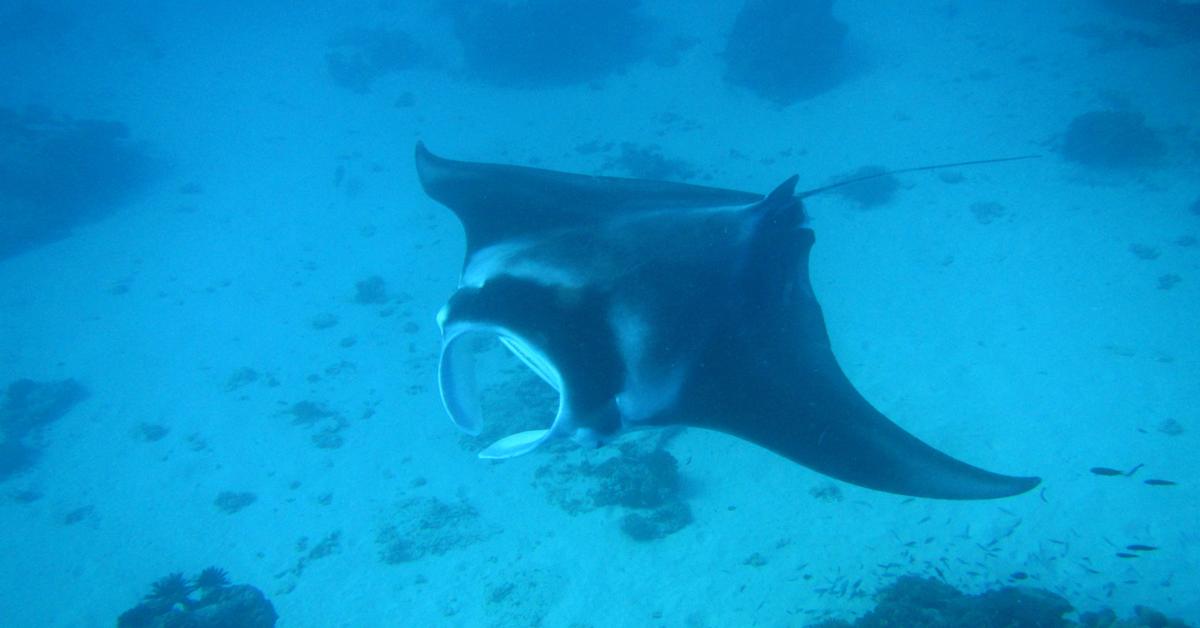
(649, 304)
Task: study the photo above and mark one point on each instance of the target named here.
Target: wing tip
(996, 487)
(423, 154)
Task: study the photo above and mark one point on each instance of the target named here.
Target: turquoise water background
(212, 225)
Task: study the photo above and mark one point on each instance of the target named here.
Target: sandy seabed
(1033, 342)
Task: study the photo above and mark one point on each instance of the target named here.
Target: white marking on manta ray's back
(517, 259)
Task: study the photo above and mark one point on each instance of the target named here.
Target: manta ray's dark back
(647, 303)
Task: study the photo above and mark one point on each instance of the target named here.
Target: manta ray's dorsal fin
(876, 175)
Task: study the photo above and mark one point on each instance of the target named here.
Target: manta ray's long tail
(876, 175)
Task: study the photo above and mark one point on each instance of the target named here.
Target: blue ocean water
(219, 276)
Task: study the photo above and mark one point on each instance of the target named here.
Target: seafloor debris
(324, 320)
(658, 523)
(1144, 251)
(916, 602)
(1168, 280)
(987, 212)
(27, 409)
(1170, 427)
(172, 602)
(429, 526)
(537, 43)
(361, 56)
(371, 291)
(329, 545)
(230, 502)
(57, 172)
(648, 162)
(327, 424)
(875, 190)
(643, 479)
(1112, 139)
(786, 50)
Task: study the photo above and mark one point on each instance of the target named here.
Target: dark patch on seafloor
(876, 191)
(171, 603)
(648, 162)
(987, 212)
(150, 432)
(643, 479)
(231, 502)
(1112, 140)
(329, 545)
(916, 602)
(427, 526)
(371, 291)
(361, 56)
(786, 50)
(327, 424)
(538, 43)
(57, 172)
(28, 408)
(1181, 18)
(1168, 280)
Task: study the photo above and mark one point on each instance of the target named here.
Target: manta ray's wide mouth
(477, 372)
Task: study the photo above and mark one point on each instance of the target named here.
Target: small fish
(1138, 547)
(1105, 471)
(1156, 482)
(1126, 555)
(1019, 575)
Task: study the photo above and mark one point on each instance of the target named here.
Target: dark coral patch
(539, 43)
(786, 50)
(876, 189)
(361, 56)
(57, 172)
(29, 407)
(1112, 139)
